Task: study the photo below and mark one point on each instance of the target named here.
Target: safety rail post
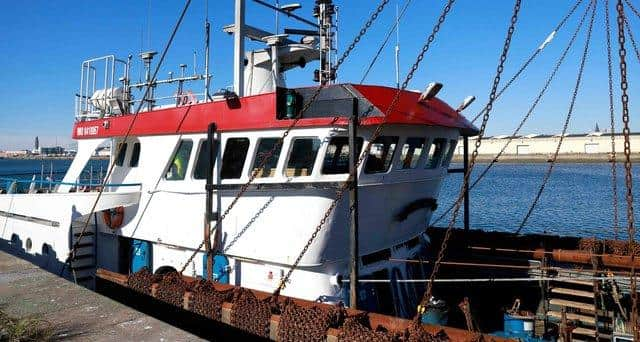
(465, 166)
(353, 205)
(209, 215)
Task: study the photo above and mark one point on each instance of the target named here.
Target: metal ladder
(84, 263)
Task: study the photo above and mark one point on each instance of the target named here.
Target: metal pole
(466, 185)
(206, 61)
(208, 215)
(238, 49)
(353, 205)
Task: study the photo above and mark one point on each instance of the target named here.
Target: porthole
(28, 245)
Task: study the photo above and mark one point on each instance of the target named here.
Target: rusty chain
(374, 135)
(614, 164)
(574, 96)
(530, 59)
(492, 97)
(632, 39)
(527, 115)
(633, 8)
(622, 52)
(267, 156)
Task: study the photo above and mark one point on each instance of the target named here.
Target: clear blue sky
(42, 44)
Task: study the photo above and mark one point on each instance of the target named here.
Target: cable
(566, 122)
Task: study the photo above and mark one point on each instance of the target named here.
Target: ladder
(574, 299)
(83, 265)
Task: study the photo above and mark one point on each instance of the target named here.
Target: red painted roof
(259, 112)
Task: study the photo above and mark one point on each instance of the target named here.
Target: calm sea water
(577, 200)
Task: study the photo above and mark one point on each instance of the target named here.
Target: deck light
(290, 7)
(466, 103)
(432, 90)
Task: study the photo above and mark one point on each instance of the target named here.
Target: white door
(591, 148)
(522, 149)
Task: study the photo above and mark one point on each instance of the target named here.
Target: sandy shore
(543, 158)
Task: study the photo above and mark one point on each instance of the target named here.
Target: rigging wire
(386, 40)
(535, 54)
(269, 154)
(74, 249)
(492, 97)
(614, 166)
(566, 122)
(529, 112)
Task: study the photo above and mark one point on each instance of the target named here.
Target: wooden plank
(572, 292)
(583, 331)
(574, 317)
(572, 304)
(576, 282)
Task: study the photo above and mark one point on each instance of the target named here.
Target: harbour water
(577, 200)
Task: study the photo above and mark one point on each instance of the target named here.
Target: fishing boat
(149, 211)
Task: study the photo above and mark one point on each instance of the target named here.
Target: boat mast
(207, 29)
(238, 49)
(324, 11)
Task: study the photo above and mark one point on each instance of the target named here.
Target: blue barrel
(220, 268)
(141, 255)
(515, 324)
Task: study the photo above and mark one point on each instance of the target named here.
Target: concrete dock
(73, 312)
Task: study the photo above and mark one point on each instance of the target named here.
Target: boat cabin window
(178, 168)
(235, 153)
(302, 157)
(202, 163)
(452, 148)
(381, 154)
(266, 159)
(135, 155)
(336, 160)
(411, 152)
(122, 152)
(436, 152)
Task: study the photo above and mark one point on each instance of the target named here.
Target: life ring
(114, 217)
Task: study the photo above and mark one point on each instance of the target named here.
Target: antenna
(397, 47)
(207, 28)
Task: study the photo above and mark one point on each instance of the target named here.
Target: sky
(43, 43)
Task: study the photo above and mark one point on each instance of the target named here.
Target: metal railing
(12, 185)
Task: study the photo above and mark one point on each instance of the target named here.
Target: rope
(73, 251)
(614, 166)
(492, 97)
(527, 115)
(267, 156)
(533, 56)
(386, 40)
(574, 96)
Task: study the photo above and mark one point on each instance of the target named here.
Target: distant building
(52, 151)
(591, 143)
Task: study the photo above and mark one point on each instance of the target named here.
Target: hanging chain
(342, 189)
(267, 156)
(627, 163)
(614, 164)
(635, 10)
(528, 114)
(531, 58)
(492, 97)
(574, 96)
(632, 39)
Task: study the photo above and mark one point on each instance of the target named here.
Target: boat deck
(73, 312)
